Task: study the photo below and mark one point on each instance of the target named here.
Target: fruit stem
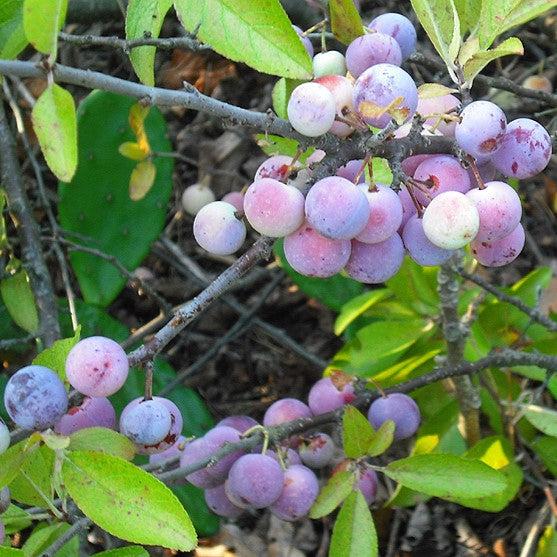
(378, 387)
(412, 194)
(475, 171)
(148, 380)
(313, 28)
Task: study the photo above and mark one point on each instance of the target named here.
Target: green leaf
(206, 523)
(100, 187)
(260, 35)
(16, 519)
(381, 172)
(144, 18)
(468, 13)
(334, 292)
(498, 17)
(541, 418)
(45, 535)
(103, 440)
(382, 439)
(126, 501)
(440, 20)
(546, 448)
(547, 546)
(42, 21)
(496, 452)
(130, 551)
(32, 486)
(481, 59)
(55, 356)
(346, 23)
(354, 532)
(20, 301)
(12, 34)
(357, 433)
(333, 494)
(12, 460)
(447, 476)
(355, 307)
(55, 125)
(281, 95)
(10, 552)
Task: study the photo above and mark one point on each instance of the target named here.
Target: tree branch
(28, 230)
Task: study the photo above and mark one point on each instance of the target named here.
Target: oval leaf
(142, 179)
(447, 476)
(354, 532)
(127, 501)
(433, 90)
(131, 551)
(19, 301)
(382, 439)
(42, 21)
(103, 440)
(260, 35)
(357, 433)
(54, 357)
(55, 123)
(333, 494)
(12, 34)
(541, 418)
(346, 23)
(145, 18)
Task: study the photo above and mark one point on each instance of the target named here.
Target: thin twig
(73, 530)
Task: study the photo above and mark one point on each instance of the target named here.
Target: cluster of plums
(366, 228)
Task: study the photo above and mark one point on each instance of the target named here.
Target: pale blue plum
(372, 49)
(375, 263)
(145, 422)
(313, 255)
(35, 398)
(398, 27)
(336, 208)
(399, 408)
(342, 90)
(4, 437)
(420, 249)
(311, 109)
(380, 86)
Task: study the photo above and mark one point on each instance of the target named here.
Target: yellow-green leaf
(142, 179)
(346, 23)
(103, 440)
(541, 418)
(478, 61)
(54, 357)
(382, 439)
(12, 34)
(333, 494)
(547, 546)
(357, 433)
(42, 19)
(145, 18)
(20, 301)
(55, 123)
(433, 90)
(126, 501)
(132, 150)
(258, 34)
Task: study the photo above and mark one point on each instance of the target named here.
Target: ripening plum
(342, 90)
(313, 255)
(432, 110)
(217, 438)
(5, 499)
(285, 410)
(408, 207)
(399, 408)
(499, 208)
(336, 208)
(481, 129)
(378, 88)
(499, 252)
(306, 41)
(420, 249)
(92, 412)
(193, 452)
(4, 437)
(372, 49)
(330, 393)
(255, 480)
(195, 197)
(398, 27)
(175, 451)
(35, 398)
(410, 164)
(440, 173)
(375, 263)
(451, 220)
(239, 423)
(217, 500)
(330, 62)
(218, 230)
(285, 456)
(299, 492)
(351, 169)
(97, 366)
(236, 199)
(273, 208)
(311, 109)
(367, 484)
(317, 450)
(385, 214)
(276, 167)
(145, 422)
(525, 150)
